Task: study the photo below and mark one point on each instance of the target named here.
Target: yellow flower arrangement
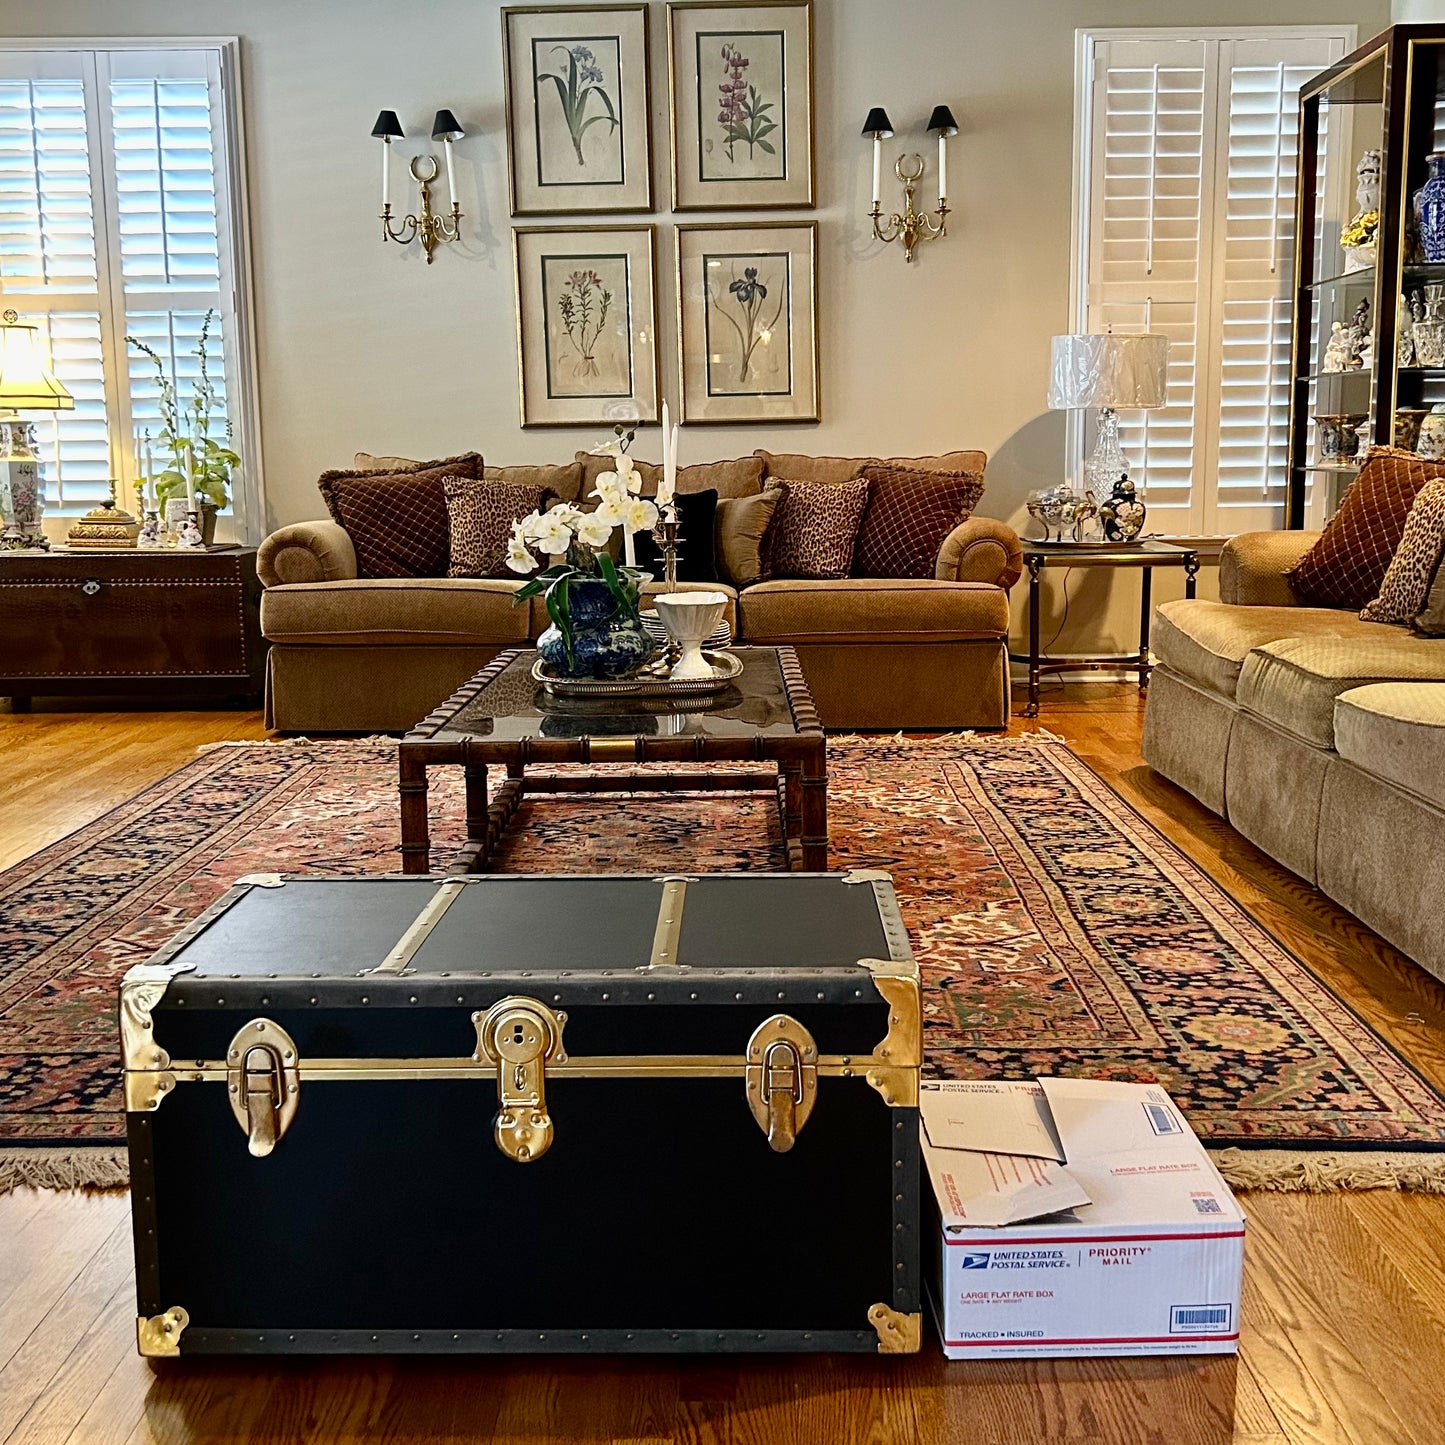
(1361, 231)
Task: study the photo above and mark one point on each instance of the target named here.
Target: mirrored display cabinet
(1368, 344)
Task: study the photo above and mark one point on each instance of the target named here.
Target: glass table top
(514, 706)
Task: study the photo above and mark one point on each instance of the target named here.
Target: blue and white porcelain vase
(608, 639)
(1430, 209)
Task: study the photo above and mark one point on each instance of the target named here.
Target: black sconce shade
(387, 126)
(878, 123)
(942, 121)
(445, 127)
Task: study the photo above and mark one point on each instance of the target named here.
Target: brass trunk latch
(263, 1083)
(781, 1079)
(520, 1036)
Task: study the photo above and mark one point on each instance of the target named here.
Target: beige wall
(363, 346)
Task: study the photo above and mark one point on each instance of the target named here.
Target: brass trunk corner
(159, 1337)
(898, 1334)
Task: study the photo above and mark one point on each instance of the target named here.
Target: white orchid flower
(610, 489)
(627, 472)
(552, 534)
(519, 559)
(607, 449)
(639, 515)
(594, 530)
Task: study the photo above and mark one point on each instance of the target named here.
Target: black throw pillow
(696, 546)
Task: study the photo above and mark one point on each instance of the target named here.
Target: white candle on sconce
(451, 175)
(385, 173)
(447, 128)
(942, 165)
(942, 124)
(386, 129)
(879, 127)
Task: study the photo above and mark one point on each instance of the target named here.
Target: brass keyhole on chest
(520, 1035)
(90, 586)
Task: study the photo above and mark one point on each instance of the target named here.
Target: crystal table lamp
(26, 384)
(1110, 371)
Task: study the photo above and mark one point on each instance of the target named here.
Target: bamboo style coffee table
(502, 718)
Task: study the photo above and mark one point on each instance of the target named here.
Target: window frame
(248, 492)
(1207, 356)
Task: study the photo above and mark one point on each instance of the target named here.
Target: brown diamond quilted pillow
(815, 528)
(481, 513)
(909, 514)
(1347, 565)
(397, 521)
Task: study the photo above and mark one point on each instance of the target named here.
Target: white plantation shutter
(116, 220)
(1190, 151)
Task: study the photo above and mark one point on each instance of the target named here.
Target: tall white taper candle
(942, 165)
(451, 175)
(877, 169)
(385, 171)
(190, 483)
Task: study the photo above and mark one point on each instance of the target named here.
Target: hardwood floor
(1344, 1314)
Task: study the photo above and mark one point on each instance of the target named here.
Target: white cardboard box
(1078, 1217)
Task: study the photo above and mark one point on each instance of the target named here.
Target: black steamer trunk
(505, 1113)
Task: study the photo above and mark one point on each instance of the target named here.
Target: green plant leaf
(608, 569)
(557, 600)
(764, 145)
(562, 96)
(593, 120)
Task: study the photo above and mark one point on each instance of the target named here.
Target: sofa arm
(1252, 568)
(306, 552)
(980, 550)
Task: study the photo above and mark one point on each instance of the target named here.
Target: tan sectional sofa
(353, 654)
(1320, 737)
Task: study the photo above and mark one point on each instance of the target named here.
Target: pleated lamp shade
(1126, 372)
(26, 382)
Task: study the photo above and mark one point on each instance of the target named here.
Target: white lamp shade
(26, 383)
(1119, 371)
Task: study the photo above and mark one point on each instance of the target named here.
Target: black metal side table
(1143, 555)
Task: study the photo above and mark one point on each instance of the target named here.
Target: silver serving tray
(652, 681)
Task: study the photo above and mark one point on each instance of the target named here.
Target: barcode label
(1200, 1319)
(1208, 1206)
(1162, 1119)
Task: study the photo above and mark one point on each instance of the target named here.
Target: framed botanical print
(741, 83)
(586, 324)
(747, 322)
(579, 122)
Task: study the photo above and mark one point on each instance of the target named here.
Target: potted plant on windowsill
(185, 441)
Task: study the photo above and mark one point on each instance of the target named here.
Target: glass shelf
(1418, 371)
(1424, 271)
(1364, 274)
(1363, 371)
(1338, 469)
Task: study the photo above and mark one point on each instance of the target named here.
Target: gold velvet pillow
(742, 524)
(564, 481)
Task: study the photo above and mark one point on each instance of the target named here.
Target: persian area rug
(1056, 930)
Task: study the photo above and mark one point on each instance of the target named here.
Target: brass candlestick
(667, 536)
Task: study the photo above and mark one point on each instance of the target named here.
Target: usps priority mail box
(1077, 1217)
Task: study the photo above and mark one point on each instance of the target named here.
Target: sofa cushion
(1207, 642)
(397, 612)
(1396, 731)
(1430, 620)
(866, 609)
(739, 477)
(397, 521)
(564, 482)
(1417, 559)
(969, 461)
(909, 513)
(800, 467)
(1348, 563)
(1293, 683)
(815, 529)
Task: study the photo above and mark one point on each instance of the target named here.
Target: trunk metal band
(669, 923)
(406, 949)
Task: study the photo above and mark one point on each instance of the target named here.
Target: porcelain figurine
(1121, 513)
(1430, 209)
(1431, 441)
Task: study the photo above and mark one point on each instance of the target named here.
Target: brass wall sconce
(428, 227)
(912, 227)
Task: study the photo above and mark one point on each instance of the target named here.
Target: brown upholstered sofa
(352, 654)
(1320, 737)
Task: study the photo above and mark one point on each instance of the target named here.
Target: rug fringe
(967, 738)
(1299, 1171)
(297, 742)
(88, 1168)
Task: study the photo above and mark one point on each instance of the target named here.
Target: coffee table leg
(415, 842)
(815, 813)
(478, 830)
(790, 776)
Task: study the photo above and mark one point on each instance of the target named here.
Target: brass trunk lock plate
(781, 1079)
(521, 1036)
(263, 1083)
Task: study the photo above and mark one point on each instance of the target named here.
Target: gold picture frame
(753, 150)
(586, 324)
(578, 100)
(747, 322)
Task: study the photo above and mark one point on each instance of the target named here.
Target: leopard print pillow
(1407, 579)
(481, 514)
(815, 528)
